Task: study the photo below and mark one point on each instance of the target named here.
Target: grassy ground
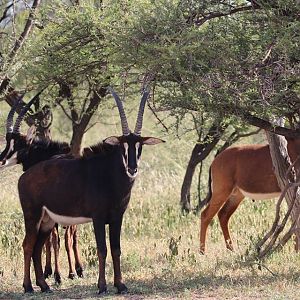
(160, 258)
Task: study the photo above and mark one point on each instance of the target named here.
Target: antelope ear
(152, 141)
(112, 140)
(31, 132)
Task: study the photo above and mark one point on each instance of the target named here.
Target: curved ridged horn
(125, 127)
(23, 112)
(10, 117)
(139, 120)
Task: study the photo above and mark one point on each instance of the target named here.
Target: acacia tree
(67, 55)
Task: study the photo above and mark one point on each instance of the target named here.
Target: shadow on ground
(170, 287)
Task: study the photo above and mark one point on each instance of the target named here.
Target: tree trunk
(199, 153)
(187, 181)
(76, 140)
(281, 162)
(80, 129)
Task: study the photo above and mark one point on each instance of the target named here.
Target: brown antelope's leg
(56, 246)
(48, 267)
(99, 228)
(28, 245)
(78, 264)
(37, 260)
(68, 245)
(226, 212)
(215, 203)
(114, 238)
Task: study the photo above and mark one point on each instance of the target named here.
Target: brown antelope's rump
(236, 173)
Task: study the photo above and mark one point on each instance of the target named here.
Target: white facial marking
(131, 176)
(259, 196)
(125, 159)
(66, 220)
(137, 146)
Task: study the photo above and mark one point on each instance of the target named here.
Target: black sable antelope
(92, 189)
(28, 151)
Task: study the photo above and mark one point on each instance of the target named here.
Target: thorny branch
(158, 118)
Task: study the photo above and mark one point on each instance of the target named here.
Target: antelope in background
(28, 151)
(236, 173)
(94, 189)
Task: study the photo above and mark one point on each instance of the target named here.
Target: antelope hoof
(57, 278)
(121, 288)
(202, 251)
(79, 272)
(28, 289)
(229, 245)
(102, 290)
(46, 289)
(71, 275)
(230, 248)
(47, 272)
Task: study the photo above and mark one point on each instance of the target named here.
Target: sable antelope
(90, 189)
(28, 151)
(236, 173)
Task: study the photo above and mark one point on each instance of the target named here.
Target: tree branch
(27, 28)
(213, 15)
(158, 118)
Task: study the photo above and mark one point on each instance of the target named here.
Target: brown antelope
(94, 189)
(28, 151)
(236, 173)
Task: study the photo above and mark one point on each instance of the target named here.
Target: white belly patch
(66, 220)
(257, 196)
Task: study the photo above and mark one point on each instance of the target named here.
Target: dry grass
(160, 256)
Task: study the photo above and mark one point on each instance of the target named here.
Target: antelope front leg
(114, 238)
(99, 229)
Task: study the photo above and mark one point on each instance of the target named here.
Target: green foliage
(199, 62)
(70, 47)
(214, 67)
